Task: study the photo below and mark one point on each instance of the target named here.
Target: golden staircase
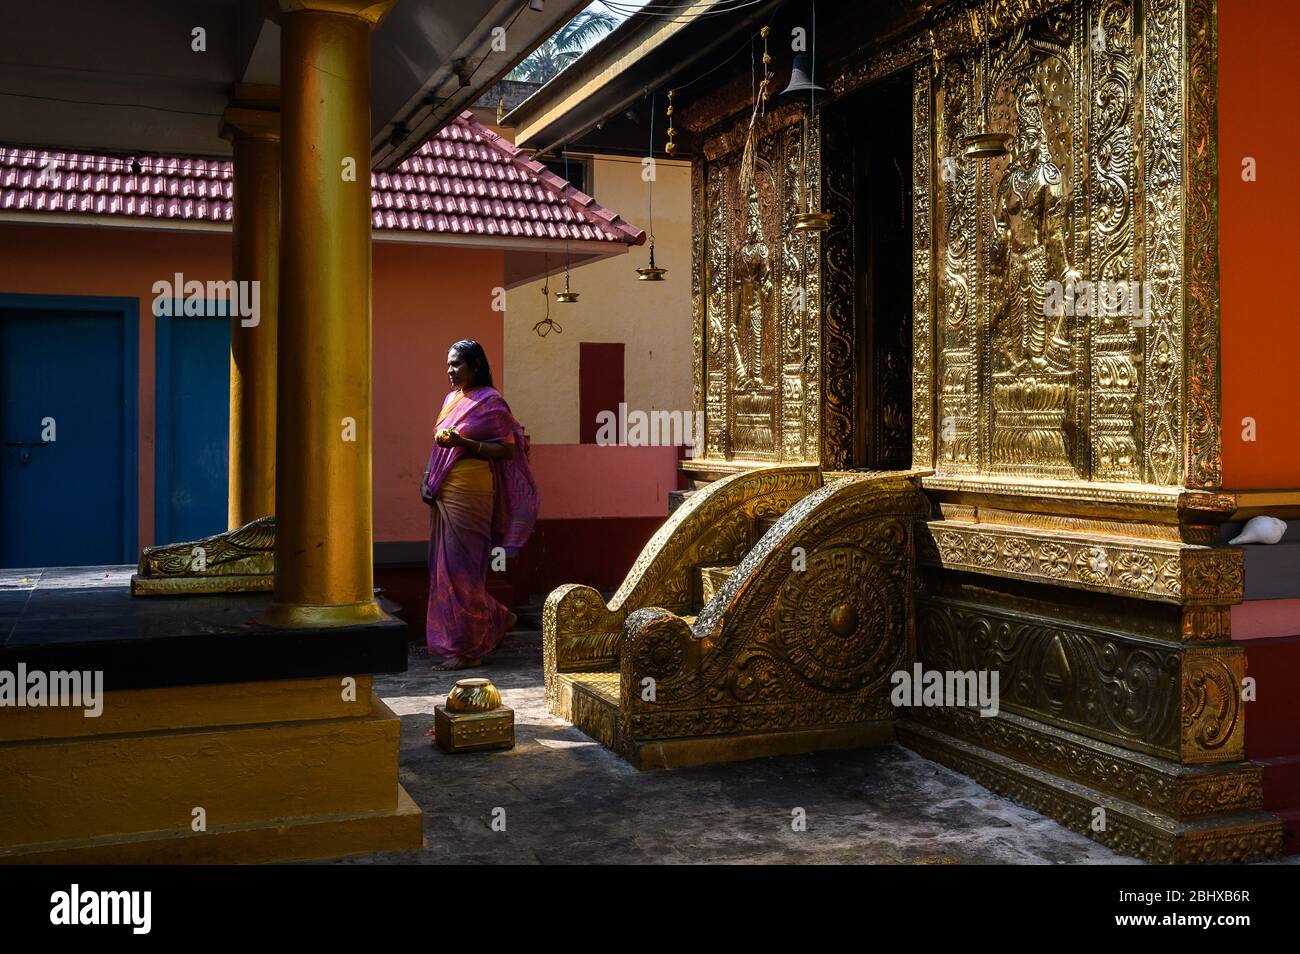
(764, 618)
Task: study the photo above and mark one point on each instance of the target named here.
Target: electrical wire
(747, 45)
(91, 102)
(677, 14)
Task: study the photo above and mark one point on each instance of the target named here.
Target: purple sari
(477, 505)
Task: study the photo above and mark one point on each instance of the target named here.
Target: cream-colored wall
(653, 319)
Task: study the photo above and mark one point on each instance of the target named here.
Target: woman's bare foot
(458, 662)
(510, 622)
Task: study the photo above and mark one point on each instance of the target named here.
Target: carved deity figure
(1029, 249)
(754, 300)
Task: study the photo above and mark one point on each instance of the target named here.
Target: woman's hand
(449, 437)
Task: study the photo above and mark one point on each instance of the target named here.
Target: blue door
(193, 423)
(68, 423)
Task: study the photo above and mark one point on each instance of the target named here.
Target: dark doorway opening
(870, 134)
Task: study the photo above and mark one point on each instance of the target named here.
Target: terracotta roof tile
(467, 180)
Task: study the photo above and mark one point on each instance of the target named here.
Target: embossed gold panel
(1109, 177)
(758, 294)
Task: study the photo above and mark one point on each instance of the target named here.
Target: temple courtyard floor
(568, 800)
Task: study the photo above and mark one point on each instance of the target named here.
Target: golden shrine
(912, 457)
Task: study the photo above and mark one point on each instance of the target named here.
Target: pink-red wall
(425, 297)
(583, 481)
(1259, 243)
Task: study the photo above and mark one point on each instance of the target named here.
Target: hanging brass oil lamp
(810, 220)
(983, 144)
(567, 295)
(803, 79)
(651, 273)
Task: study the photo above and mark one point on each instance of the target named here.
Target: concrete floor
(568, 800)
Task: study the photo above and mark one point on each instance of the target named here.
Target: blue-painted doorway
(192, 452)
(68, 388)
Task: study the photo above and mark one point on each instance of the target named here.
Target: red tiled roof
(467, 180)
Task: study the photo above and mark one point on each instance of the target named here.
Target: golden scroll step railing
(804, 595)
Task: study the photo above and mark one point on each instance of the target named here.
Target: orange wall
(1259, 240)
(425, 297)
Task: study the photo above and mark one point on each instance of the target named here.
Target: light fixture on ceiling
(537, 6)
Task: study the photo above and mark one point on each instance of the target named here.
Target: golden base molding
(295, 839)
(1169, 699)
(1161, 785)
(707, 469)
(305, 614)
(241, 560)
(1284, 504)
(1163, 570)
(181, 586)
(1128, 829)
(1068, 496)
(1202, 534)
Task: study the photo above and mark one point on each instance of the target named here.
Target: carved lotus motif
(1017, 555)
(1135, 571)
(1054, 559)
(1092, 565)
(659, 652)
(832, 616)
(1170, 578)
(984, 550)
(952, 547)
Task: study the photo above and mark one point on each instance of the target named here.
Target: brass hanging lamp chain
(749, 158)
(651, 273)
(983, 143)
(568, 296)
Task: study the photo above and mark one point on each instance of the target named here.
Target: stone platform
(221, 739)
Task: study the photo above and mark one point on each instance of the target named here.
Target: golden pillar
(252, 124)
(323, 551)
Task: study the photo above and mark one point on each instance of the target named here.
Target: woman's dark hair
(472, 353)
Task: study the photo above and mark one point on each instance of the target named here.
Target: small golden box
(474, 731)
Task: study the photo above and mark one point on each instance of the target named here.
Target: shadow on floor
(567, 800)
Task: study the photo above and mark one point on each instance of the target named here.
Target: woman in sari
(482, 495)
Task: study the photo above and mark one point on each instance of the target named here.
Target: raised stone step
(590, 701)
(1125, 827)
(708, 580)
